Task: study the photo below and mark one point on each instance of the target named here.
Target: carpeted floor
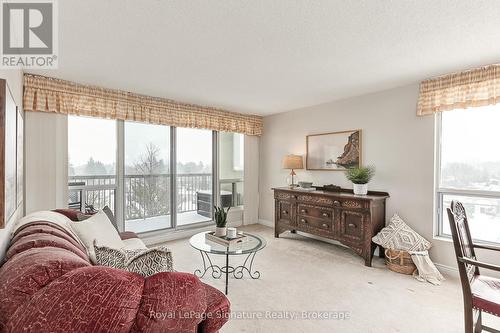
(300, 274)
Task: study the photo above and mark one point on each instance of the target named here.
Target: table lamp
(292, 162)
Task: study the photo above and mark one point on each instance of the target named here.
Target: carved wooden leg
(276, 234)
(368, 260)
(369, 255)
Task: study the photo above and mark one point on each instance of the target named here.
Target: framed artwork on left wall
(10, 182)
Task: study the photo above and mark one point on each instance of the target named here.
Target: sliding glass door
(147, 179)
(194, 190)
(153, 177)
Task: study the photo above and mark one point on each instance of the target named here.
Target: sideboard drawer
(315, 223)
(315, 211)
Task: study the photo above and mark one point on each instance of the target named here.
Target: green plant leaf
(361, 175)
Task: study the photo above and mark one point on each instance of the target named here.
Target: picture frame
(20, 158)
(10, 184)
(334, 151)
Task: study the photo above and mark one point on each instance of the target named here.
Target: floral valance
(476, 87)
(44, 94)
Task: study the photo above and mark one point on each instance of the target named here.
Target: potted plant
(220, 217)
(360, 177)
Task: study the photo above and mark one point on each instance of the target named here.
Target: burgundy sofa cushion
(45, 228)
(88, 299)
(43, 240)
(28, 272)
(71, 214)
(128, 235)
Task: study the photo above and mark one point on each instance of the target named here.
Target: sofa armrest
(171, 302)
(217, 313)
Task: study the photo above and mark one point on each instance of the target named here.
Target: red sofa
(47, 284)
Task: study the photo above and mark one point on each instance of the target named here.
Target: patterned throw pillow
(397, 235)
(150, 261)
(145, 262)
(106, 256)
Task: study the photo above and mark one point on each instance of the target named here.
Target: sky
(97, 138)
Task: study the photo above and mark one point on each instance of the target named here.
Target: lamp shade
(293, 162)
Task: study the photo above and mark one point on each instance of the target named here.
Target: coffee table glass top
(253, 243)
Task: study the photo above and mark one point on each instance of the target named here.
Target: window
(153, 177)
(194, 175)
(231, 169)
(147, 182)
(469, 169)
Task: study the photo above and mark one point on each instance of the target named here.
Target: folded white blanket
(426, 270)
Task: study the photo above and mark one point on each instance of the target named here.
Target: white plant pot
(220, 232)
(360, 189)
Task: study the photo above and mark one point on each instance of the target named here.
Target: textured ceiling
(269, 56)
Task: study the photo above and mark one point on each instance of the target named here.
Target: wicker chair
(481, 293)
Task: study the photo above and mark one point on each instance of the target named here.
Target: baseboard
(266, 223)
(166, 236)
(447, 269)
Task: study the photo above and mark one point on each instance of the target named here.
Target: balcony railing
(148, 195)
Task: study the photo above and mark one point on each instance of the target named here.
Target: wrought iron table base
(237, 271)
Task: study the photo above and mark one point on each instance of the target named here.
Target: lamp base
(292, 179)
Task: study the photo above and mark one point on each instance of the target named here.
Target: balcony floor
(162, 222)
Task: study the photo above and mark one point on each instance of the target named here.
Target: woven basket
(399, 261)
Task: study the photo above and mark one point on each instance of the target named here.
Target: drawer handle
(336, 203)
(303, 221)
(325, 215)
(325, 225)
(303, 211)
(351, 225)
(294, 197)
(285, 212)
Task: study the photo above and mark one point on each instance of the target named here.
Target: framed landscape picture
(333, 151)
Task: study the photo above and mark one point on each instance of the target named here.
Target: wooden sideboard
(350, 219)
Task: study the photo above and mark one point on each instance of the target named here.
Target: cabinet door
(284, 211)
(353, 225)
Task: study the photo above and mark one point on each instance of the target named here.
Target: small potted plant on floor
(220, 217)
(360, 177)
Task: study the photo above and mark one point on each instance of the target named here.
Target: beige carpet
(301, 274)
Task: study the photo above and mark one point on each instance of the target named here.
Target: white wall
(14, 79)
(251, 178)
(394, 139)
(46, 144)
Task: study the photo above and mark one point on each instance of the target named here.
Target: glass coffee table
(252, 245)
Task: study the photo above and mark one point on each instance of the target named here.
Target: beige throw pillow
(97, 228)
(397, 235)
